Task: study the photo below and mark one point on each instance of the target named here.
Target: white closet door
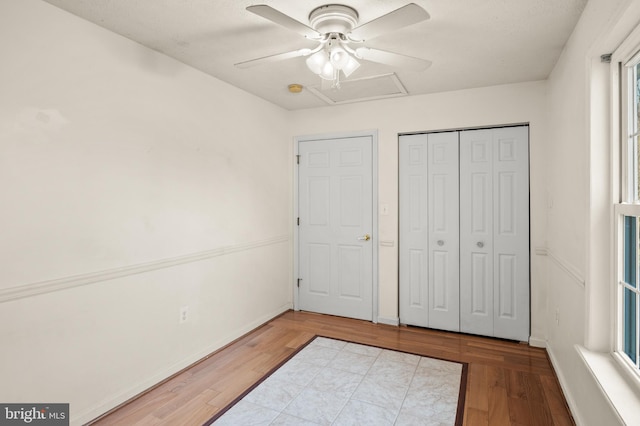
(429, 229)
(511, 233)
(443, 235)
(414, 257)
(494, 232)
(476, 232)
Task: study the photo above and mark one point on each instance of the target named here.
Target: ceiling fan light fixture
(328, 64)
(339, 57)
(350, 66)
(328, 71)
(317, 61)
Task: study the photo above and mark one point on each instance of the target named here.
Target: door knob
(440, 242)
(366, 237)
(480, 244)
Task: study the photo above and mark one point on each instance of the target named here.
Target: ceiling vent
(361, 89)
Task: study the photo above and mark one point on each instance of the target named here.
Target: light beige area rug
(333, 382)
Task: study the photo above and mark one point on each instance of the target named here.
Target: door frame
(373, 134)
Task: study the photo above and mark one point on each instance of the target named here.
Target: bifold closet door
(494, 232)
(429, 230)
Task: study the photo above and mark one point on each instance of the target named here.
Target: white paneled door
(429, 230)
(494, 243)
(335, 231)
(476, 232)
(464, 231)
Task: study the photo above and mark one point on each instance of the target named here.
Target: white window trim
(627, 53)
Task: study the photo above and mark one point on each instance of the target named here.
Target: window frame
(626, 181)
(626, 131)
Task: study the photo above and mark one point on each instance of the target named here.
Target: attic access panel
(362, 89)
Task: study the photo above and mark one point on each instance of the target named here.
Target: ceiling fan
(341, 40)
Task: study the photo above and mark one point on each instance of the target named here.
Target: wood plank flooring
(509, 383)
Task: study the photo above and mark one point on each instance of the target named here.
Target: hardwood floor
(509, 383)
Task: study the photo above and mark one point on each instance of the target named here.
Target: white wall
(508, 104)
(133, 185)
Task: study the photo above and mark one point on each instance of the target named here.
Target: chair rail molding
(43, 287)
(566, 266)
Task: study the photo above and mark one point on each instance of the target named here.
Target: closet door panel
(481, 283)
(511, 240)
(413, 249)
(476, 232)
(444, 227)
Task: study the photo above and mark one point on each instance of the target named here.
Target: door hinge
(299, 279)
(298, 221)
(298, 159)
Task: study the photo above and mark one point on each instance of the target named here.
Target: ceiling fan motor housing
(333, 18)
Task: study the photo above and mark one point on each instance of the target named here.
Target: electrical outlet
(184, 314)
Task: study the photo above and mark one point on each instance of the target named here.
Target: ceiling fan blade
(273, 58)
(399, 18)
(393, 59)
(286, 21)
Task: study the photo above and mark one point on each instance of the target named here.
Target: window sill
(621, 388)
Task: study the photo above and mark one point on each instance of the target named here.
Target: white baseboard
(389, 321)
(136, 389)
(565, 388)
(537, 342)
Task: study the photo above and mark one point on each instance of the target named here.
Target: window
(628, 218)
(629, 290)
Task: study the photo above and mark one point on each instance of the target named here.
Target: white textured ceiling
(472, 43)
